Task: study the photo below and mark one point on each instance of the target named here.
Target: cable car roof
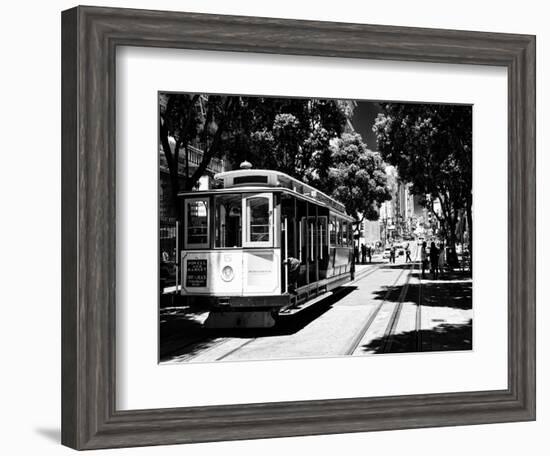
(269, 178)
(263, 180)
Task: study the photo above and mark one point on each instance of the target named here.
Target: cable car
(260, 244)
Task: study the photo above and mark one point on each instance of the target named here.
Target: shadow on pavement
(454, 291)
(179, 327)
(444, 337)
(182, 332)
(400, 265)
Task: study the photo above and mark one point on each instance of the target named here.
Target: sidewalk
(447, 312)
(434, 315)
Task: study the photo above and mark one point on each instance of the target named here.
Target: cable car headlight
(228, 273)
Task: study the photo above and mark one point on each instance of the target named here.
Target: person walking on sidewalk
(392, 254)
(434, 260)
(363, 253)
(441, 259)
(423, 258)
(408, 254)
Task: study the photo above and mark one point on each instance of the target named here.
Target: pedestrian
(293, 273)
(363, 253)
(408, 254)
(369, 253)
(434, 260)
(441, 259)
(392, 254)
(423, 258)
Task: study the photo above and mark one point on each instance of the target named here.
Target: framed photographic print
(281, 228)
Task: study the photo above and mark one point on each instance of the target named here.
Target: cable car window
(322, 234)
(344, 233)
(332, 229)
(250, 180)
(258, 212)
(227, 209)
(197, 222)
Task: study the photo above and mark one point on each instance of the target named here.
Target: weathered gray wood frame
(89, 39)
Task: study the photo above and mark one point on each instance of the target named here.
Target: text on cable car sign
(197, 271)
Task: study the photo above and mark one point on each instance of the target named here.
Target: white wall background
(30, 226)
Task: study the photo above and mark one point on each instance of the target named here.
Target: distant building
(349, 106)
(371, 232)
(399, 215)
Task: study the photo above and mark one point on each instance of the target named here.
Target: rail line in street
(368, 323)
(222, 348)
(234, 350)
(396, 313)
(341, 290)
(418, 319)
(220, 341)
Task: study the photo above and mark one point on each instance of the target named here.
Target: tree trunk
(452, 258)
(470, 234)
(172, 161)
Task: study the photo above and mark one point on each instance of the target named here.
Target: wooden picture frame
(90, 36)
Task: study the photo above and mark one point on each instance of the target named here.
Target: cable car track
(396, 313)
(361, 275)
(361, 334)
(394, 318)
(217, 342)
(418, 319)
(229, 353)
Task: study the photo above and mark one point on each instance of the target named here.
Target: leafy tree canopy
(431, 146)
(291, 135)
(357, 177)
(301, 137)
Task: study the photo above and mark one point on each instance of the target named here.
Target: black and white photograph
(310, 227)
(275, 228)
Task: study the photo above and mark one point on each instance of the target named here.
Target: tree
(357, 178)
(190, 118)
(291, 135)
(431, 147)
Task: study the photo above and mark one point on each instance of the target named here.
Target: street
(388, 308)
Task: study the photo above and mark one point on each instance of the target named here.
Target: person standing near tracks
(434, 260)
(441, 259)
(423, 258)
(408, 254)
(363, 253)
(392, 254)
